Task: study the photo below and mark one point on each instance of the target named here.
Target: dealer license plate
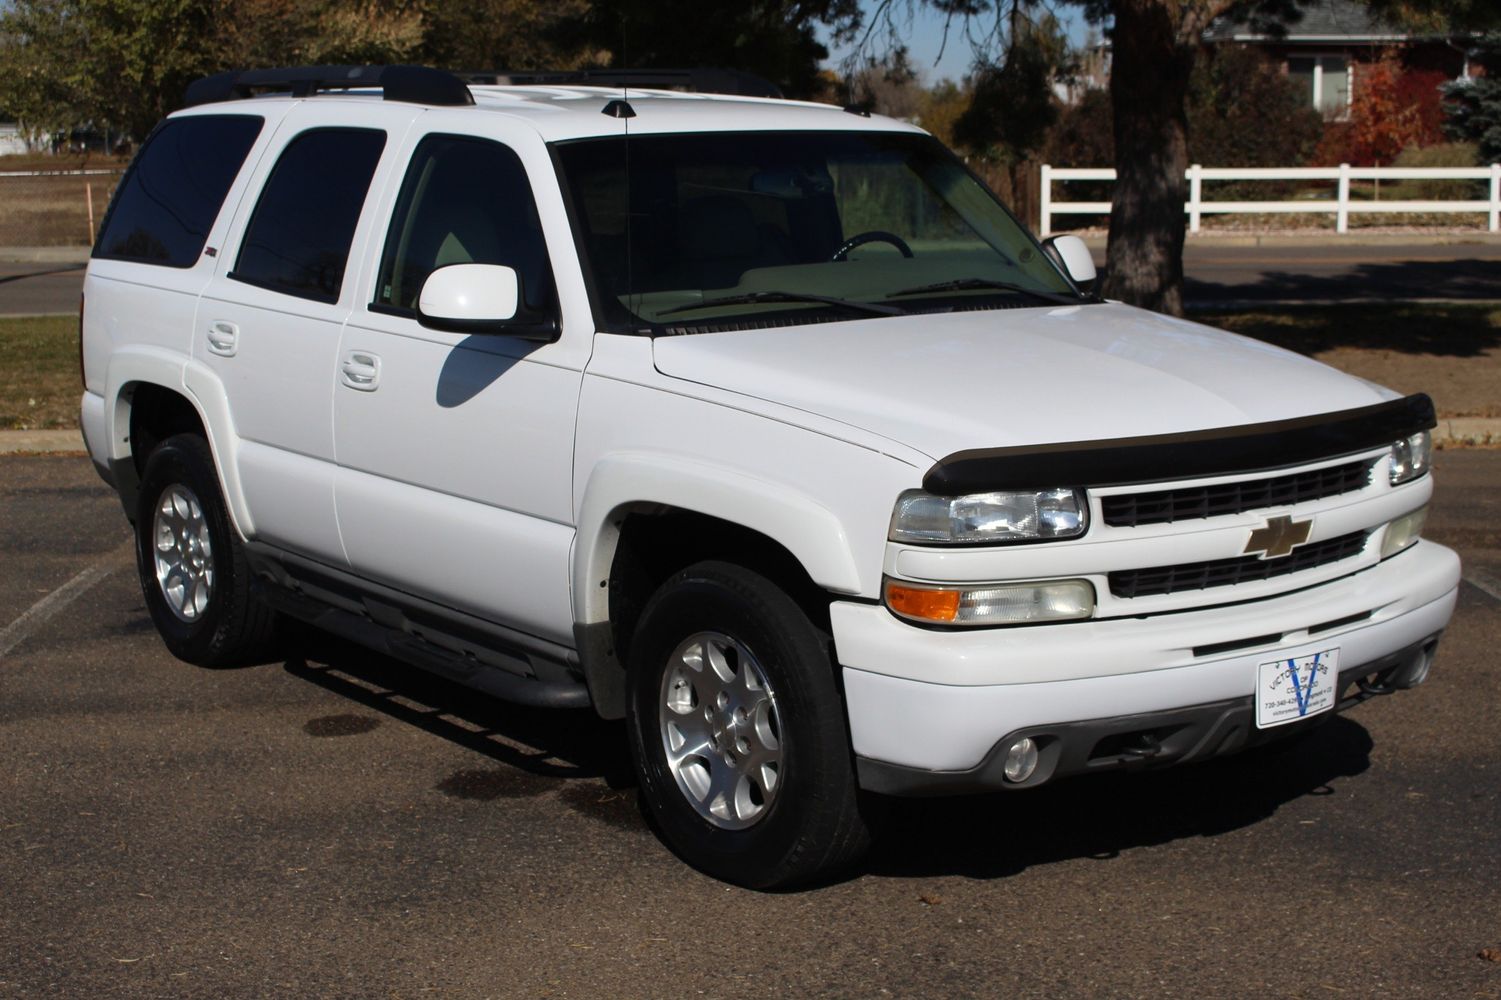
(1295, 688)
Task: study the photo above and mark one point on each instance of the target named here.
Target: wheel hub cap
(720, 730)
(183, 555)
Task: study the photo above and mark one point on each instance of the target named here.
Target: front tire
(191, 563)
(737, 731)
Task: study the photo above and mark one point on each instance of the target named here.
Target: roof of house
(1322, 21)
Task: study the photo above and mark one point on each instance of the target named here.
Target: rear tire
(192, 564)
(738, 731)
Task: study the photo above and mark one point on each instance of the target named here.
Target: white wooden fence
(1341, 206)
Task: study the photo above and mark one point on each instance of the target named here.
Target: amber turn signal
(922, 603)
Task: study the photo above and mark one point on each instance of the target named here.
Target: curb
(1471, 432)
(1460, 432)
(60, 442)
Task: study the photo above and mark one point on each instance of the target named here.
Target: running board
(508, 665)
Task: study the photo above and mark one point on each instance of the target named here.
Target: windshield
(728, 230)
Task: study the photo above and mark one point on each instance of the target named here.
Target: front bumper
(932, 706)
(1155, 739)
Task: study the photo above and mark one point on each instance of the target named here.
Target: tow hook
(1147, 745)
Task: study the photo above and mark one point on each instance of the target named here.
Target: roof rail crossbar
(409, 84)
(703, 79)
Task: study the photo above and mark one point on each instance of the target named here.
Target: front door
(454, 450)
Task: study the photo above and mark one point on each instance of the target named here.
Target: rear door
(269, 322)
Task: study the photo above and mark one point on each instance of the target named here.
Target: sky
(928, 51)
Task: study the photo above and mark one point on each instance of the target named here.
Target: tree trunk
(1153, 53)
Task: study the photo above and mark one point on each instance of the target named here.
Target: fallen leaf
(1489, 954)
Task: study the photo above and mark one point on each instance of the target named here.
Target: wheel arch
(153, 394)
(644, 517)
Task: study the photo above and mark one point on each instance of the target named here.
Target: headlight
(989, 518)
(992, 604)
(1410, 457)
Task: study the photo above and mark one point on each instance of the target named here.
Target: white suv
(761, 424)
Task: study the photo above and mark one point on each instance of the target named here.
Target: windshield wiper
(982, 284)
(775, 296)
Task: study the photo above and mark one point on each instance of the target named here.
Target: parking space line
(1484, 582)
(54, 603)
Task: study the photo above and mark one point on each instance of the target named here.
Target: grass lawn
(1451, 352)
(39, 386)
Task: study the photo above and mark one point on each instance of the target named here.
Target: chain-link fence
(41, 208)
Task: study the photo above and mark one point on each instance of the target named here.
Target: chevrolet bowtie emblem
(1280, 536)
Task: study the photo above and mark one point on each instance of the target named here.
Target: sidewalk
(1463, 432)
(1097, 238)
(44, 255)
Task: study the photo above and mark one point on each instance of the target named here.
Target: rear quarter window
(170, 197)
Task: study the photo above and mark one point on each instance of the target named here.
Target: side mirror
(469, 298)
(1073, 254)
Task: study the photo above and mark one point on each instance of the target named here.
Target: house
(1325, 50)
(11, 139)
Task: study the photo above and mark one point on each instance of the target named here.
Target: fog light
(1021, 760)
(1402, 532)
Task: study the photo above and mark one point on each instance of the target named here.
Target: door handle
(361, 370)
(223, 338)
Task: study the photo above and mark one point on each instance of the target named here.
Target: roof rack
(410, 84)
(704, 80)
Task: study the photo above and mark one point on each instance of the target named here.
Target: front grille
(1229, 572)
(1167, 506)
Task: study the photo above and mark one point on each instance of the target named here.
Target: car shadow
(1101, 816)
(1469, 279)
(987, 836)
(541, 743)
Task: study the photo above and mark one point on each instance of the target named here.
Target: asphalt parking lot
(336, 825)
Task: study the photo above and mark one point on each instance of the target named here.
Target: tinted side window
(298, 239)
(169, 199)
(464, 201)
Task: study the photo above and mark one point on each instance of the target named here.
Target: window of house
(298, 239)
(1325, 79)
(172, 194)
(464, 201)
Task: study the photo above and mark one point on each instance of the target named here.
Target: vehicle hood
(941, 383)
